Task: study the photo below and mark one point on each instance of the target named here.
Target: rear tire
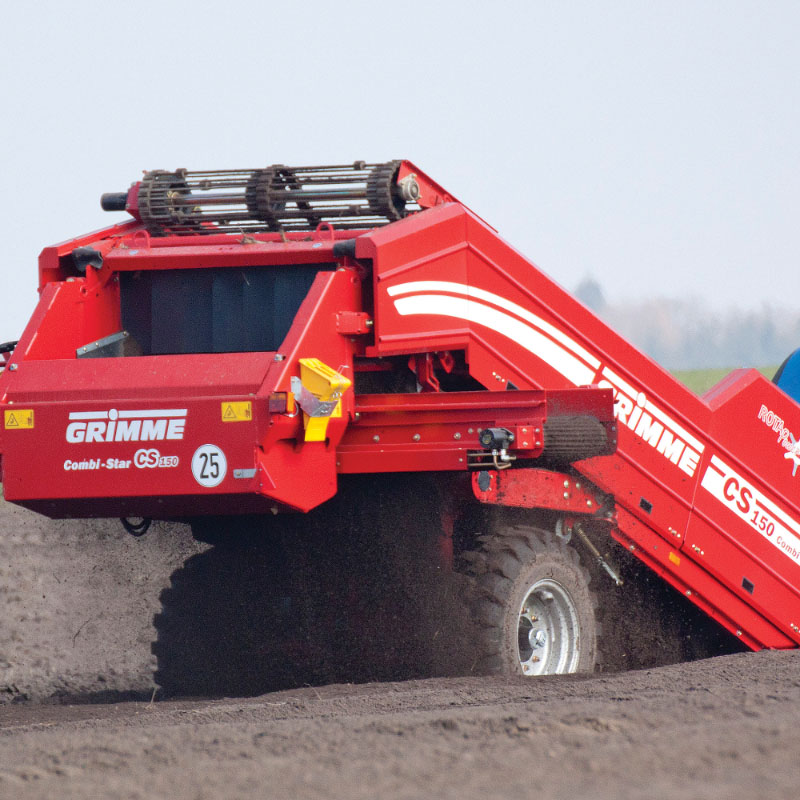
(350, 591)
(533, 609)
(223, 628)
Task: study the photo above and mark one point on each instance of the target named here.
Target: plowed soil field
(81, 719)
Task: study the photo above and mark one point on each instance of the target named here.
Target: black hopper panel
(218, 310)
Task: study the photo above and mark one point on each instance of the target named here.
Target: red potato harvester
(250, 338)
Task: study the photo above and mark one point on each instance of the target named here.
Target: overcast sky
(652, 145)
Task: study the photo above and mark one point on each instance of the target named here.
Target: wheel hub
(548, 631)
(537, 638)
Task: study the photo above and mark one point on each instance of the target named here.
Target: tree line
(683, 333)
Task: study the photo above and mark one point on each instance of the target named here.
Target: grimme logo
(650, 423)
(126, 426)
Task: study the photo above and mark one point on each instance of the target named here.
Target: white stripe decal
(502, 302)
(620, 383)
(156, 412)
(546, 336)
(740, 496)
(534, 342)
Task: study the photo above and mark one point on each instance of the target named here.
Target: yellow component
(316, 428)
(675, 558)
(327, 385)
(237, 412)
(19, 419)
(321, 380)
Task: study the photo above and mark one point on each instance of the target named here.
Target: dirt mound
(78, 601)
(290, 605)
(712, 729)
(84, 601)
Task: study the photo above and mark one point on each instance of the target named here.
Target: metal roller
(275, 198)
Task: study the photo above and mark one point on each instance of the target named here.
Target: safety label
(19, 418)
(237, 412)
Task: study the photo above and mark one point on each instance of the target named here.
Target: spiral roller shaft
(275, 198)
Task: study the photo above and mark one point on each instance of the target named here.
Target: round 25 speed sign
(209, 465)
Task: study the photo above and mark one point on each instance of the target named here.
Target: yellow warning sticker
(19, 418)
(674, 558)
(237, 412)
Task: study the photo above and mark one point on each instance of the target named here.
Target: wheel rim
(548, 633)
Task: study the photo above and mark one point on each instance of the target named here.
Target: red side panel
(706, 488)
(709, 478)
